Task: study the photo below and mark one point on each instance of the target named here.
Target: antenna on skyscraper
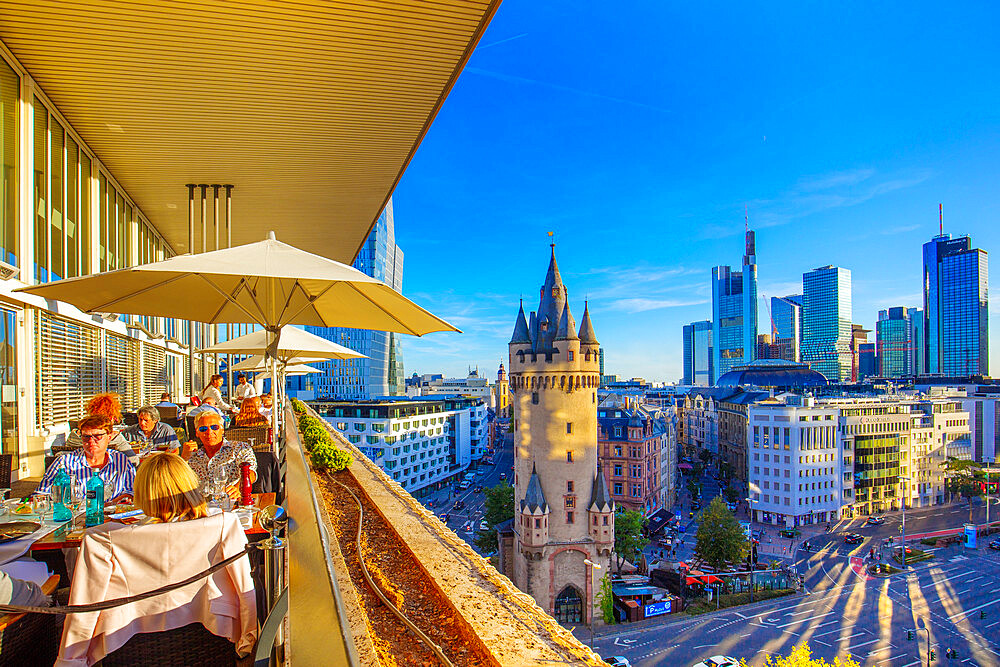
(746, 218)
(941, 219)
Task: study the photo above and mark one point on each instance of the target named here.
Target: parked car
(618, 661)
(478, 488)
(787, 532)
(995, 545)
(853, 538)
(875, 521)
(483, 525)
(503, 475)
(465, 485)
(718, 661)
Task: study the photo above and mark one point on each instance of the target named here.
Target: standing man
(244, 389)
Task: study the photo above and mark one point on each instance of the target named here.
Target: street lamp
(902, 527)
(593, 587)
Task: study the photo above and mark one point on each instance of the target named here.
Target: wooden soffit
(312, 110)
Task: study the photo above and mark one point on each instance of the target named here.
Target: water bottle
(62, 493)
(95, 500)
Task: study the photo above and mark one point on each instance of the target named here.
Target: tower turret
(602, 514)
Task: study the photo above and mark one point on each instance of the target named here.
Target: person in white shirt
(244, 389)
(212, 391)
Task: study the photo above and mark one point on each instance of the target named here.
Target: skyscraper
(381, 374)
(826, 322)
(698, 361)
(734, 312)
(956, 309)
(893, 338)
(918, 345)
(786, 311)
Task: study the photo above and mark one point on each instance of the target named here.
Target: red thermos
(245, 498)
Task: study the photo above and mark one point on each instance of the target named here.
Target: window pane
(56, 234)
(85, 248)
(9, 85)
(103, 228)
(72, 209)
(40, 187)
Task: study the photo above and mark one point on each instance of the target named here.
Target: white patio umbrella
(268, 283)
(258, 364)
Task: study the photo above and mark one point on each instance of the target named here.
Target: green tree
(801, 656)
(963, 478)
(693, 487)
(705, 455)
(720, 539)
(629, 539)
(605, 598)
(499, 508)
(732, 495)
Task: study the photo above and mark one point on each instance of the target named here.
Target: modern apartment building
(956, 307)
(420, 443)
(819, 460)
(630, 443)
(734, 312)
(786, 313)
(699, 364)
(381, 372)
(826, 322)
(893, 338)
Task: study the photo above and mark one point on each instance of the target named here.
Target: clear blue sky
(637, 132)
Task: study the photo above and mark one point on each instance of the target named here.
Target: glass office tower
(956, 308)
(787, 315)
(698, 362)
(381, 374)
(826, 322)
(893, 337)
(734, 312)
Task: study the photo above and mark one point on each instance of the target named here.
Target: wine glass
(4, 509)
(41, 504)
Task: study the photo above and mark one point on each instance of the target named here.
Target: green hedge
(298, 407)
(736, 599)
(323, 453)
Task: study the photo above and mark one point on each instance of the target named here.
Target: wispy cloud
(641, 305)
(900, 229)
(500, 41)
(833, 180)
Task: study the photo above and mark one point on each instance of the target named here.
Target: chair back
(6, 468)
(191, 645)
(167, 412)
(260, 434)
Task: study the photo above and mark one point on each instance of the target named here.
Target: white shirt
(244, 391)
(213, 392)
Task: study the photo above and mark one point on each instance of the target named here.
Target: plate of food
(12, 530)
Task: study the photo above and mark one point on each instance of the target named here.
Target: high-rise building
(859, 336)
(698, 361)
(734, 312)
(767, 348)
(826, 322)
(867, 361)
(381, 374)
(786, 313)
(893, 333)
(956, 308)
(918, 342)
(564, 513)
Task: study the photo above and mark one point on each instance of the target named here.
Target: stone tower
(563, 513)
(502, 393)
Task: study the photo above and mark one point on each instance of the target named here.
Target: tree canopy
(963, 476)
(499, 508)
(629, 539)
(801, 656)
(720, 539)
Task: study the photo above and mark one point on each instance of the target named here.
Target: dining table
(70, 534)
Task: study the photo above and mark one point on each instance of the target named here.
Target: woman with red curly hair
(106, 405)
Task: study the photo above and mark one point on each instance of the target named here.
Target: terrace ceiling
(311, 109)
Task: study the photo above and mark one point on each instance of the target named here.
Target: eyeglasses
(92, 436)
(204, 429)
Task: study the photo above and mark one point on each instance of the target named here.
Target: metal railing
(318, 630)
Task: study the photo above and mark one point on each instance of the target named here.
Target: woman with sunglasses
(217, 452)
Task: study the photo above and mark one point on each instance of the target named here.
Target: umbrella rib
(408, 329)
(235, 303)
(230, 297)
(105, 307)
(310, 299)
(288, 300)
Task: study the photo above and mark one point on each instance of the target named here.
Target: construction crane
(767, 305)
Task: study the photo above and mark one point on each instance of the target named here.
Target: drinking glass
(4, 509)
(41, 504)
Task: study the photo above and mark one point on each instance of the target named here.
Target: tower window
(595, 519)
(569, 427)
(571, 501)
(538, 523)
(569, 456)
(569, 517)
(534, 398)
(570, 355)
(569, 486)
(605, 520)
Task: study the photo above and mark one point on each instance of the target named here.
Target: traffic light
(933, 655)
(951, 653)
(982, 614)
(910, 634)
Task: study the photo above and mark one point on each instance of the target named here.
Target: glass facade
(734, 312)
(786, 312)
(381, 374)
(698, 362)
(956, 313)
(894, 344)
(10, 85)
(826, 322)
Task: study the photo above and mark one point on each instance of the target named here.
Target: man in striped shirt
(114, 468)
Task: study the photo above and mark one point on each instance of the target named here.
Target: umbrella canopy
(257, 364)
(285, 345)
(268, 283)
(300, 369)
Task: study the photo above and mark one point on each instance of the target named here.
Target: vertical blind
(122, 356)
(154, 373)
(69, 367)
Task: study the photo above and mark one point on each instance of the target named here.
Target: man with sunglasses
(216, 452)
(114, 468)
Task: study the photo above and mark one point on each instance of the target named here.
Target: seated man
(165, 401)
(112, 466)
(150, 432)
(218, 452)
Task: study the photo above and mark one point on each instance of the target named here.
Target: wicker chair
(6, 468)
(31, 639)
(191, 645)
(260, 434)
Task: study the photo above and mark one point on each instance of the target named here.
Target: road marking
(889, 660)
(962, 592)
(833, 632)
(992, 624)
(798, 613)
(827, 623)
(746, 635)
(703, 646)
(803, 620)
(976, 579)
(969, 611)
(820, 641)
(857, 646)
(879, 650)
(911, 664)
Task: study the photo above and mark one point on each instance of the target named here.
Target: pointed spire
(586, 327)
(534, 499)
(520, 329)
(567, 327)
(552, 277)
(600, 499)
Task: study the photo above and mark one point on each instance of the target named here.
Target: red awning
(691, 581)
(712, 579)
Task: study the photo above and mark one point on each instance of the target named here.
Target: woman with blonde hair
(249, 414)
(166, 490)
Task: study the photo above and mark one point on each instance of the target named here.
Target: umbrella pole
(274, 403)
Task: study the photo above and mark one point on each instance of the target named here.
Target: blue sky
(638, 132)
